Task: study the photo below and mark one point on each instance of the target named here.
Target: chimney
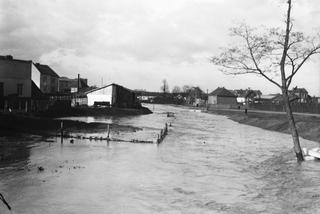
(78, 82)
(9, 57)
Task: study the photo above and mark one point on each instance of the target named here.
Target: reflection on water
(207, 164)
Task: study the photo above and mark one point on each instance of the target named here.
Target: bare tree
(268, 53)
(176, 89)
(186, 88)
(165, 87)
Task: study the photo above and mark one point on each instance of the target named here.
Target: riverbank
(308, 126)
(14, 125)
(19, 132)
(94, 111)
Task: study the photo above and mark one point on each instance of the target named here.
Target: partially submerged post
(108, 131)
(61, 131)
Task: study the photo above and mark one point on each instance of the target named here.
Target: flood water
(206, 164)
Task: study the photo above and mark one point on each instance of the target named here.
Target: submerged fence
(312, 108)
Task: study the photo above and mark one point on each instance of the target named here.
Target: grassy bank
(308, 126)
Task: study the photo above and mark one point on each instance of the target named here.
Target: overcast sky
(137, 43)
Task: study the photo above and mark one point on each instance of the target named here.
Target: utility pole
(207, 99)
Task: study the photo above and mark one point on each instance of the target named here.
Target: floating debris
(40, 169)
(170, 114)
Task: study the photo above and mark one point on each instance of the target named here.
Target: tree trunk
(293, 128)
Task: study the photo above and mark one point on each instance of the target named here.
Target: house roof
(222, 92)
(45, 69)
(10, 58)
(298, 90)
(97, 89)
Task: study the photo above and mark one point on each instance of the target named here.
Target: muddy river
(206, 164)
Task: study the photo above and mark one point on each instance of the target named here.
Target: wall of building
(124, 98)
(35, 75)
(15, 69)
(14, 72)
(10, 87)
(49, 84)
(227, 100)
(101, 95)
(63, 86)
(212, 99)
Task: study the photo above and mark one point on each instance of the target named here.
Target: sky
(138, 43)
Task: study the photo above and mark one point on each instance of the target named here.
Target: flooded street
(206, 164)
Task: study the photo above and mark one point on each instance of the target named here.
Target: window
(19, 89)
(1, 89)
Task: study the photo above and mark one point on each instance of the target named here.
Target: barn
(222, 98)
(112, 95)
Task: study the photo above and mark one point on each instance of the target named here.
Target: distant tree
(186, 88)
(165, 87)
(176, 89)
(271, 53)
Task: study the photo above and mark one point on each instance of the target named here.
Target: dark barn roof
(222, 92)
(46, 70)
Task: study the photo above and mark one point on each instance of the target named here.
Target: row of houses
(16, 77)
(224, 98)
(29, 86)
(249, 96)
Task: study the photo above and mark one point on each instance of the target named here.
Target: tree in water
(165, 87)
(268, 53)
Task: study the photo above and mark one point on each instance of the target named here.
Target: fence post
(61, 131)
(108, 131)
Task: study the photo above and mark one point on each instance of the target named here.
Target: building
(49, 79)
(67, 85)
(222, 98)
(268, 99)
(299, 95)
(112, 95)
(247, 95)
(19, 84)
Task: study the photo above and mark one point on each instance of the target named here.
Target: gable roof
(298, 90)
(46, 70)
(112, 84)
(222, 92)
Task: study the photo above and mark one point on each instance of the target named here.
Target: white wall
(241, 99)
(212, 99)
(101, 95)
(35, 75)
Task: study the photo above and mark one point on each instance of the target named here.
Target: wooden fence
(312, 108)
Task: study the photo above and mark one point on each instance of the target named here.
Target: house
(19, 84)
(300, 95)
(268, 99)
(49, 79)
(145, 96)
(67, 85)
(247, 95)
(222, 98)
(112, 95)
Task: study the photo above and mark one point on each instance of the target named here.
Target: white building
(110, 95)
